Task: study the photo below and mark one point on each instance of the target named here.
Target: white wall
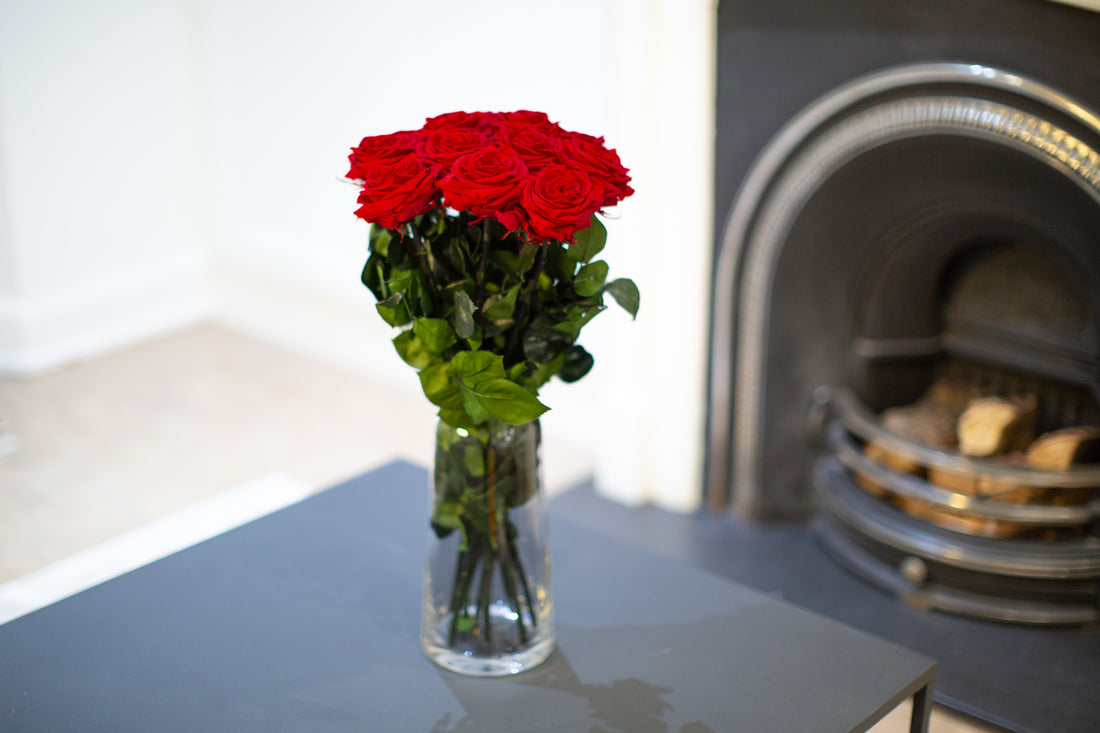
(99, 241)
(155, 151)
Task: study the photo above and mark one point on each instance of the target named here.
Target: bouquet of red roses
(483, 251)
(483, 238)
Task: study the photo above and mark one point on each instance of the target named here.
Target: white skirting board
(44, 331)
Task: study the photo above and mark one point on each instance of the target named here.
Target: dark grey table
(308, 620)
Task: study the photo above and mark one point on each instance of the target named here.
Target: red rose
(560, 201)
(442, 147)
(395, 193)
(459, 120)
(602, 164)
(380, 150)
(537, 148)
(523, 119)
(487, 183)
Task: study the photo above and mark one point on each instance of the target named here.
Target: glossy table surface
(308, 620)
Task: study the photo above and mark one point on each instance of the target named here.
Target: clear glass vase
(488, 610)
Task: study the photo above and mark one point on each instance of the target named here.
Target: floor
(115, 461)
(107, 445)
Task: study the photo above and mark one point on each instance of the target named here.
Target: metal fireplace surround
(910, 144)
(861, 151)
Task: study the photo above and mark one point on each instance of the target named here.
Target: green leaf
(576, 317)
(473, 459)
(456, 417)
(590, 278)
(501, 305)
(447, 516)
(625, 293)
(472, 404)
(494, 329)
(436, 333)
(399, 251)
(393, 310)
(440, 388)
(507, 401)
(476, 338)
(373, 275)
(379, 240)
(576, 363)
(487, 392)
(589, 242)
(463, 317)
(507, 261)
(543, 345)
(413, 351)
(541, 374)
(474, 366)
(400, 280)
(423, 299)
(527, 254)
(559, 265)
(453, 252)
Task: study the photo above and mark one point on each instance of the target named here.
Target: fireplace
(918, 205)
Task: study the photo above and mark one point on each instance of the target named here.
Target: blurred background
(181, 318)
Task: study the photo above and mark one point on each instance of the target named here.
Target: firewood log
(923, 422)
(1061, 450)
(952, 394)
(975, 483)
(1064, 448)
(929, 421)
(991, 426)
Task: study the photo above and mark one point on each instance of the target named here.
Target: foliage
(488, 316)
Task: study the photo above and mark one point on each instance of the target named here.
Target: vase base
(495, 666)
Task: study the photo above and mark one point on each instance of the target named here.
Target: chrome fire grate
(1048, 575)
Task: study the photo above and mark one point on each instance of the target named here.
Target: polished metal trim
(1036, 515)
(840, 497)
(934, 596)
(783, 177)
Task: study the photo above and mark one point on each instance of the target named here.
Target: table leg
(922, 710)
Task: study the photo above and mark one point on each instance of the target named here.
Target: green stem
(424, 261)
(513, 551)
(491, 493)
(505, 542)
(508, 574)
(524, 305)
(487, 568)
(483, 261)
(464, 571)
